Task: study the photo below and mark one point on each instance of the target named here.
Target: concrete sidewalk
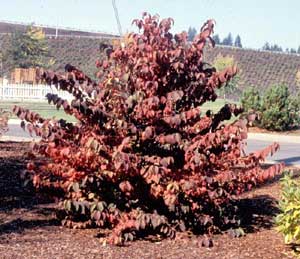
(274, 137)
(14, 122)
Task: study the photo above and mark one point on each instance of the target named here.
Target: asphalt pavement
(289, 147)
(289, 153)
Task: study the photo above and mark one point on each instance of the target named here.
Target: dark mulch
(28, 228)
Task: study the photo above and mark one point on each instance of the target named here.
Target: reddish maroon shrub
(143, 159)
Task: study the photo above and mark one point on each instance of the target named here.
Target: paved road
(15, 130)
(288, 153)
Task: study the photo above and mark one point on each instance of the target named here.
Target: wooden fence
(28, 92)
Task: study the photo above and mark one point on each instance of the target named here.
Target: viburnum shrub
(142, 158)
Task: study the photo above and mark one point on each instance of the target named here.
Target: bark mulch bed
(28, 228)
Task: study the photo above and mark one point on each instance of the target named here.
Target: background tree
(27, 49)
(191, 33)
(298, 50)
(276, 48)
(228, 41)
(272, 47)
(220, 63)
(238, 42)
(266, 46)
(216, 39)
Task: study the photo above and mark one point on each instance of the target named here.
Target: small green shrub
(251, 99)
(278, 109)
(288, 221)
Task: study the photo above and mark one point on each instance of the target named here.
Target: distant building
(25, 76)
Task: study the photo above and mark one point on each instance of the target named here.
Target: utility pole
(117, 17)
(56, 32)
(1, 67)
(56, 29)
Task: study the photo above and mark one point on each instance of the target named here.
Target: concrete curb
(274, 137)
(14, 122)
(17, 139)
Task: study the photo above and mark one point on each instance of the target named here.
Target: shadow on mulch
(257, 213)
(13, 193)
(19, 225)
(15, 196)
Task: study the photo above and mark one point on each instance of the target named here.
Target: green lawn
(43, 108)
(216, 105)
(49, 111)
